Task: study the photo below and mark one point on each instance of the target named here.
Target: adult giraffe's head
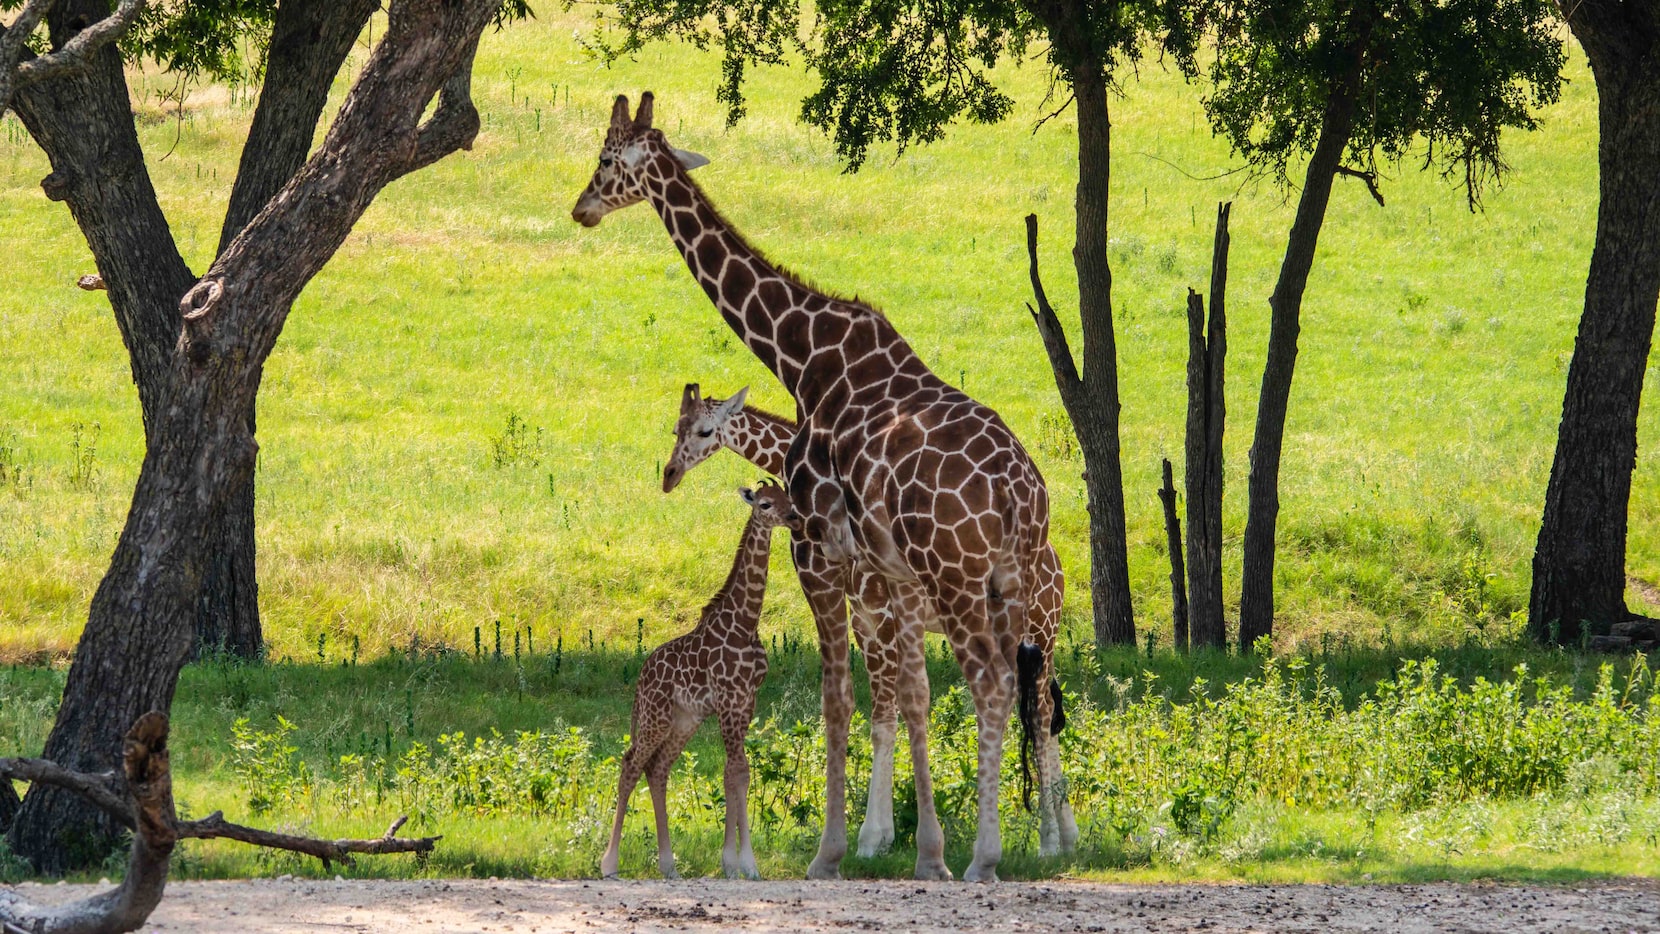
(697, 434)
(632, 153)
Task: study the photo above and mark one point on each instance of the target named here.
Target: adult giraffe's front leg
(821, 582)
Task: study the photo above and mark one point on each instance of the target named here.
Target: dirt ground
(417, 907)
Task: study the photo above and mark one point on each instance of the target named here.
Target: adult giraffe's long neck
(765, 307)
(738, 603)
(760, 438)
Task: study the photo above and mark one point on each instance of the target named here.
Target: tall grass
(467, 313)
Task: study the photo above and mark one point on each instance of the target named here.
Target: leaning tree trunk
(198, 448)
(1256, 598)
(309, 42)
(1579, 562)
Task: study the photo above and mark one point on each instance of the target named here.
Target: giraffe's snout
(588, 210)
(671, 477)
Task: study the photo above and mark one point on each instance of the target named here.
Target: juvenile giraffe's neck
(736, 608)
(760, 438)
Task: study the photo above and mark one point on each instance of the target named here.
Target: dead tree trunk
(1173, 534)
(1206, 413)
(139, 797)
(1579, 561)
(198, 448)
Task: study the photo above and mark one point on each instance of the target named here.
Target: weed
(83, 454)
(517, 445)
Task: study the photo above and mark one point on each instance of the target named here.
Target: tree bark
(198, 447)
(1096, 422)
(309, 41)
(1256, 599)
(1206, 414)
(1173, 535)
(1579, 561)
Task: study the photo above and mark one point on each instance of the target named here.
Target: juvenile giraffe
(713, 670)
(891, 468)
(704, 426)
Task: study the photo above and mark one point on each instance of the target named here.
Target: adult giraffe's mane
(854, 304)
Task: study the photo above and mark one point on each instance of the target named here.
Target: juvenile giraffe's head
(631, 151)
(698, 432)
(771, 503)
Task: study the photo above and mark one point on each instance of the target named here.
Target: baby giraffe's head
(771, 503)
(633, 153)
(697, 434)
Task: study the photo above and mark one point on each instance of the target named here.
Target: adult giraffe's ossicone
(892, 468)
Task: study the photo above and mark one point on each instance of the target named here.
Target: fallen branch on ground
(141, 797)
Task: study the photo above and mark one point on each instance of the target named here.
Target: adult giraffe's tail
(1029, 672)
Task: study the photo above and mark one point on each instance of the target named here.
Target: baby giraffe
(714, 669)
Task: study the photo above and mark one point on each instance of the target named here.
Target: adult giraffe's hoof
(822, 870)
(978, 873)
(874, 839)
(931, 871)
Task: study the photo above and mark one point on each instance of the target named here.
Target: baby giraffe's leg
(632, 765)
(737, 857)
(657, 776)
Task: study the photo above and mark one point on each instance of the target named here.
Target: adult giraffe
(705, 426)
(892, 467)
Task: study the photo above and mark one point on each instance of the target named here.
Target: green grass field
(397, 509)
(1434, 353)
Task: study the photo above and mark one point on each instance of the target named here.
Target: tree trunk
(1096, 421)
(1256, 599)
(1579, 562)
(1173, 535)
(198, 447)
(1206, 413)
(309, 42)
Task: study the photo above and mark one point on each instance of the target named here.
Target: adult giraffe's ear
(731, 406)
(689, 159)
(619, 113)
(642, 117)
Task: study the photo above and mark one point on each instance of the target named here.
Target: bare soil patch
(520, 907)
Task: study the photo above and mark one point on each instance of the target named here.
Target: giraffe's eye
(766, 505)
(705, 432)
(605, 162)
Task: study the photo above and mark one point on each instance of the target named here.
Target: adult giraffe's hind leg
(633, 764)
(822, 584)
(911, 607)
(985, 642)
(873, 622)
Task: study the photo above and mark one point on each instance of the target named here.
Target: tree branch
(1370, 178)
(12, 44)
(214, 826)
(1049, 327)
(77, 52)
(454, 124)
(145, 804)
(104, 789)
